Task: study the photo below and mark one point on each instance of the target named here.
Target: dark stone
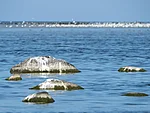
(135, 94)
(54, 84)
(14, 77)
(131, 69)
(39, 98)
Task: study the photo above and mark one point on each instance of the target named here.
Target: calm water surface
(97, 52)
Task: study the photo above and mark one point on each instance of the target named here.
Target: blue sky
(78, 10)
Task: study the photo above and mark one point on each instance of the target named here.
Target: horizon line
(73, 21)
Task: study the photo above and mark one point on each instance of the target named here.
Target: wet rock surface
(39, 98)
(15, 77)
(137, 94)
(55, 84)
(131, 69)
(44, 64)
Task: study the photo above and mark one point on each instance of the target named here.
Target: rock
(15, 77)
(55, 84)
(39, 98)
(131, 69)
(45, 64)
(135, 94)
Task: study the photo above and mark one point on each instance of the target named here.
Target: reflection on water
(44, 75)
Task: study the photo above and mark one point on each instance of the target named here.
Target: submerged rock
(45, 64)
(15, 77)
(55, 84)
(39, 98)
(135, 94)
(131, 69)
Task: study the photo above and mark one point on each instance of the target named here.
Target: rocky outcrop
(45, 64)
(15, 77)
(131, 69)
(137, 94)
(55, 84)
(39, 98)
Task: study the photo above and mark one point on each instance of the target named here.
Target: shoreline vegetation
(77, 24)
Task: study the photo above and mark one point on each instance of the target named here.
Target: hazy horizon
(91, 21)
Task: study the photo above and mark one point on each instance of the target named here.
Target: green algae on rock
(131, 69)
(55, 84)
(15, 77)
(137, 94)
(39, 98)
(44, 64)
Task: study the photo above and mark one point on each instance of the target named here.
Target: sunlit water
(97, 52)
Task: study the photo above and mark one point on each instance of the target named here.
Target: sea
(97, 52)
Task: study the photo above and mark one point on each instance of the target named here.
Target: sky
(77, 10)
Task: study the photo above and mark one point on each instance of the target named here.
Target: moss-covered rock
(15, 77)
(55, 84)
(44, 64)
(39, 98)
(131, 69)
(137, 94)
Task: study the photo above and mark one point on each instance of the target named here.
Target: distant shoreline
(78, 24)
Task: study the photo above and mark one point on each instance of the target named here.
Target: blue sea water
(97, 52)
